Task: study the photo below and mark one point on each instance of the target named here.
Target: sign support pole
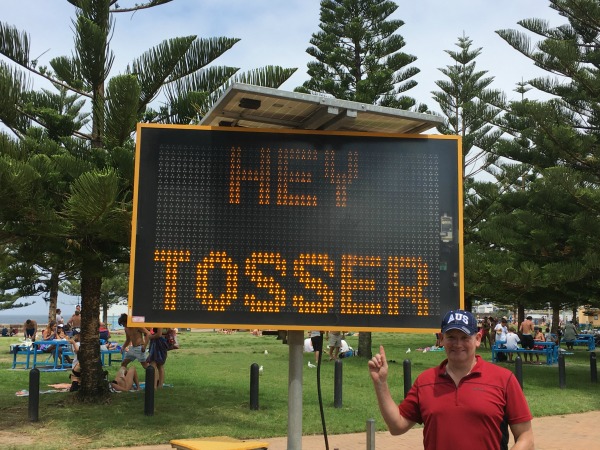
(295, 342)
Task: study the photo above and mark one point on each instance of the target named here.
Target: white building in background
(486, 308)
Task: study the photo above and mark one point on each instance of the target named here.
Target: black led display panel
(295, 230)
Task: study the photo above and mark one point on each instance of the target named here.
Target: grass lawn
(210, 396)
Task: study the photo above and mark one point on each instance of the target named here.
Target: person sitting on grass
(126, 380)
(75, 367)
(110, 346)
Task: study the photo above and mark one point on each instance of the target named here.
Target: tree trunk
(105, 312)
(364, 345)
(520, 314)
(53, 295)
(94, 385)
(555, 318)
(468, 303)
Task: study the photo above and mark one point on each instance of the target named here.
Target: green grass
(210, 394)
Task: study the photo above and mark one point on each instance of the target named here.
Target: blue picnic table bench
(549, 350)
(586, 339)
(30, 356)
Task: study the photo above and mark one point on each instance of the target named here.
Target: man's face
(460, 347)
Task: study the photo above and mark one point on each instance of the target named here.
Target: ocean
(19, 319)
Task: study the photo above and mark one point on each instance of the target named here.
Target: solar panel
(248, 106)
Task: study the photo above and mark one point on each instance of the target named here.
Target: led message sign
(295, 230)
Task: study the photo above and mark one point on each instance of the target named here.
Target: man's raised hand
(378, 366)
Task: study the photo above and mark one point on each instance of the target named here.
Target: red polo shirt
(475, 415)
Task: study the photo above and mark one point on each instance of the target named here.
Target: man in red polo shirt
(465, 402)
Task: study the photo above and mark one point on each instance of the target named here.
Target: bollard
(593, 367)
(407, 376)
(371, 434)
(149, 391)
(34, 395)
(337, 384)
(562, 375)
(254, 374)
(519, 370)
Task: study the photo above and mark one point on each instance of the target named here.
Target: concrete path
(567, 432)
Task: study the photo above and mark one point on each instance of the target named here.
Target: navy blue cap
(460, 320)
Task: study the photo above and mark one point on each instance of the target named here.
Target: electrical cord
(321, 399)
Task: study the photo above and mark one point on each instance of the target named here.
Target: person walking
(465, 402)
(136, 342)
(485, 332)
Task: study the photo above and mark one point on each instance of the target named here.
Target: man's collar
(476, 368)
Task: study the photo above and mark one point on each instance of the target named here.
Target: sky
(277, 32)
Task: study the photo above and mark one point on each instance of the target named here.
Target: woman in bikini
(126, 380)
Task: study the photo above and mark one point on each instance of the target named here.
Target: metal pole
(407, 376)
(593, 367)
(371, 434)
(337, 385)
(562, 374)
(519, 370)
(149, 391)
(294, 438)
(254, 387)
(34, 395)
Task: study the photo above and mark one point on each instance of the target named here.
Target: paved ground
(568, 432)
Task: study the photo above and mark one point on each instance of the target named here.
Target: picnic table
(30, 356)
(550, 350)
(586, 339)
(57, 363)
(30, 351)
(24, 350)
